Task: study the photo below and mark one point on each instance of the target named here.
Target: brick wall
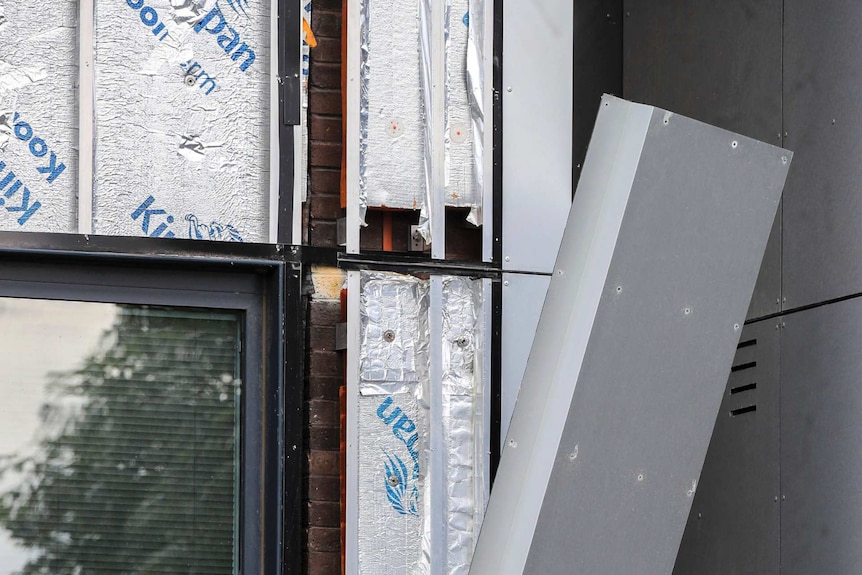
(324, 364)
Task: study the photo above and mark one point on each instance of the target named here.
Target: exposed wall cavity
(395, 392)
(182, 118)
(38, 115)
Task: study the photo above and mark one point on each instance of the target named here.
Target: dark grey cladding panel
(718, 62)
(821, 440)
(733, 524)
(655, 368)
(823, 119)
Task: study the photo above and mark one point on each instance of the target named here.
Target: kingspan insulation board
(635, 341)
(38, 115)
(182, 90)
(395, 100)
(397, 504)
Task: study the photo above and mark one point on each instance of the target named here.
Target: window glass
(119, 433)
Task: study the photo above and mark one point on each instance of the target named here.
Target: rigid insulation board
(733, 524)
(182, 117)
(39, 115)
(395, 409)
(395, 124)
(636, 338)
(720, 63)
(821, 463)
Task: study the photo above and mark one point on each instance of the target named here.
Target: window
(140, 430)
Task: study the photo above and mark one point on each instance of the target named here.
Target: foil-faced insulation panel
(393, 427)
(461, 389)
(459, 176)
(38, 115)
(182, 95)
(392, 116)
(391, 475)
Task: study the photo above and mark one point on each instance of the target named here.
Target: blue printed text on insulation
(403, 499)
(149, 18)
(157, 223)
(227, 37)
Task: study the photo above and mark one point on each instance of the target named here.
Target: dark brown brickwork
(325, 371)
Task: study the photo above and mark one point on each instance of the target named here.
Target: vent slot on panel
(743, 387)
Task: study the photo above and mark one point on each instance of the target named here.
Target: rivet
(506, 283)
(507, 258)
(619, 289)
(734, 144)
(559, 272)
(190, 80)
(783, 159)
(735, 326)
(509, 89)
(640, 476)
(389, 335)
(686, 311)
(513, 444)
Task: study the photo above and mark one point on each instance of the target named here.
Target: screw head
(389, 336)
(734, 144)
(393, 481)
(190, 80)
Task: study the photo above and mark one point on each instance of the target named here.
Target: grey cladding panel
(664, 336)
(821, 441)
(718, 62)
(733, 525)
(823, 120)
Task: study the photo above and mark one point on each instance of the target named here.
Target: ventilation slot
(743, 410)
(743, 366)
(748, 343)
(741, 388)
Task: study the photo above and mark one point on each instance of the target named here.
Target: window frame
(263, 283)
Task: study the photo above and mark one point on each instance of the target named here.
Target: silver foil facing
(392, 115)
(39, 115)
(391, 484)
(182, 97)
(393, 334)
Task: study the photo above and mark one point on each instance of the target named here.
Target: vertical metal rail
(351, 139)
(488, 124)
(298, 149)
(86, 115)
(351, 550)
(437, 125)
(437, 461)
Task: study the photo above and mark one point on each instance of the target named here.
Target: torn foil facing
(394, 336)
(39, 116)
(461, 187)
(391, 483)
(476, 89)
(392, 112)
(182, 119)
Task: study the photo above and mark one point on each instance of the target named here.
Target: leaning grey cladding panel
(823, 119)
(636, 338)
(671, 60)
(821, 467)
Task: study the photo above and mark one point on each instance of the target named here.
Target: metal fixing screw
(393, 481)
(640, 477)
(734, 144)
(506, 283)
(619, 289)
(513, 444)
(507, 258)
(389, 336)
(687, 311)
(509, 89)
(462, 341)
(190, 80)
(736, 327)
(783, 159)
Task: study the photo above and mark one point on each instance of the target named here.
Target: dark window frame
(263, 282)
